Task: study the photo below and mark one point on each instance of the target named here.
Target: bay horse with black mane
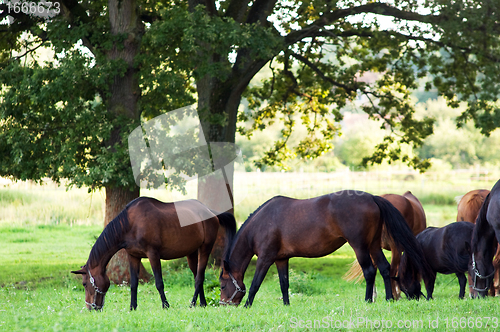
(150, 228)
(284, 227)
(447, 250)
(484, 242)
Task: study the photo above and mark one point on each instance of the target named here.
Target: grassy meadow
(46, 231)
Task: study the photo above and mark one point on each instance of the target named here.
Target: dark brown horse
(413, 212)
(285, 227)
(447, 250)
(484, 242)
(150, 228)
(468, 210)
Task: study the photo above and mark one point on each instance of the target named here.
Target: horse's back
(419, 218)
(169, 214)
(470, 204)
(173, 229)
(312, 227)
(445, 247)
(403, 205)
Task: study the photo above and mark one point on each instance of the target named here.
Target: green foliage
(460, 147)
(66, 118)
(305, 283)
(60, 119)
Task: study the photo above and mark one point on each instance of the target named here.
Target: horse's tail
(405, 241)
(228, 222)
(355, 273)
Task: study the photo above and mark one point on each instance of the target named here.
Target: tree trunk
(123, 102)
(219, 99)
(214, 98)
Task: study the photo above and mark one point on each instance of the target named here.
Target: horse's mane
(481, 224)
(230, 245)
(111, 237)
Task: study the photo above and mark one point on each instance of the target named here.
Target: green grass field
(47, 232)
(39, 293)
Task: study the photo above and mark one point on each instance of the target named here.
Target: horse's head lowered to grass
(232, 290)
(96, 285)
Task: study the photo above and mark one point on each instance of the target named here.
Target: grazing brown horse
(468, 210)
(284, 227)
(150, 228)
(485, 238)
(413, 212)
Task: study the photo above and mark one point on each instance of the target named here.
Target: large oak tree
(119, 62)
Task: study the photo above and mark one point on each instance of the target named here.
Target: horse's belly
(311, 248)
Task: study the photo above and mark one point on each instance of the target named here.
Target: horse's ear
(226, 267)
(81, 271)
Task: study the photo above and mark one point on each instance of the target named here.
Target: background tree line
(448, 147)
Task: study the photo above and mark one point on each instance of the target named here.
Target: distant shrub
(15, 197)
(305, 283)
(446, 198)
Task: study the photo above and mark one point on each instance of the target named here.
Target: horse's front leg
(135, 264)
(260, 272)
(154, 259)
(462, 281)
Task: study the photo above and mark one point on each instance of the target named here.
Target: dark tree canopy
(117, 62)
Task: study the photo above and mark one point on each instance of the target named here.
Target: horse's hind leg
(369, 271)
(154, 259)
(395, 260)
(193, 266)
(135, 264)
(203, 254)
(282, 266)
(384, 267)
(462, 281)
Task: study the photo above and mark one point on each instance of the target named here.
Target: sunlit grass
(45, 232)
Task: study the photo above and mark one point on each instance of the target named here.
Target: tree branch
(30, 50)
(320, 73)
(75, 12)
(237, 10)
(260, 11)
(373, 8)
